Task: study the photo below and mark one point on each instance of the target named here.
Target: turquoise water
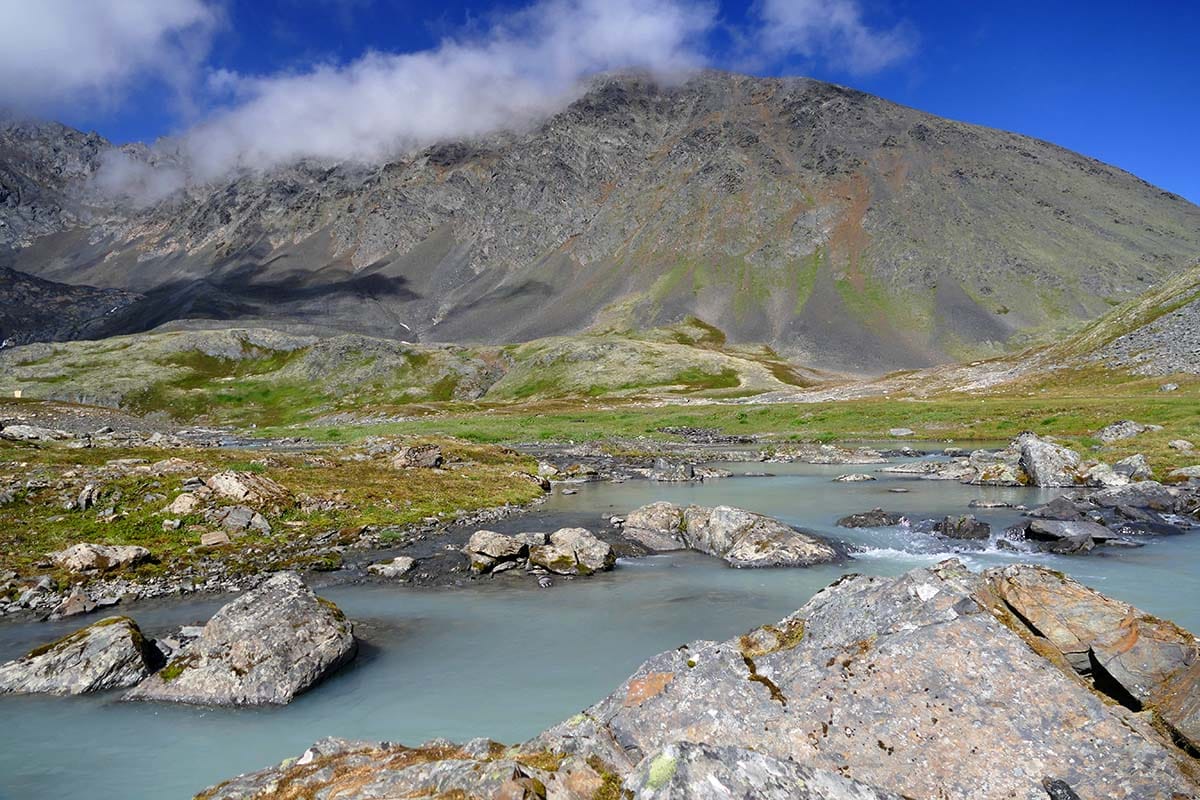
(507, 661)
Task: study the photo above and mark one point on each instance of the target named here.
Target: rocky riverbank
(1014, 683)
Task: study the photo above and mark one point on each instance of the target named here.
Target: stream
(505, 659)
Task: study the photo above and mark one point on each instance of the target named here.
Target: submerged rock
(267, 646)
(925, 685)
(108, 654)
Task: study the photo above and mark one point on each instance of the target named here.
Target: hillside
(260, 376)
(845, 231)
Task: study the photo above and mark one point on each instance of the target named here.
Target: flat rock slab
(907, 684)
(108, 654)
(266, 647)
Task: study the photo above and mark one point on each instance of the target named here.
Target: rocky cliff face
(845, 230)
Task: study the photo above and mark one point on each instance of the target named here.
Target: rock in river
(940, 683)
(658, 526)
(267, 646)
(965, 527)
(742, 538)
(875, 518)
(746, 539)
(573, 551)
(1046, 463)
(109, 654)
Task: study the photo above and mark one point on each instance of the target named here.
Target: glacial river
(506, 661)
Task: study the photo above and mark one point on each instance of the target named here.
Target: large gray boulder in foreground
(742, 538)
(687, 771)
(267, 646)
(109, 654)
(1015, 683)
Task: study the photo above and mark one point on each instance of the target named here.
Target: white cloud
(522, 66)
(831, 30)
(56, 52)
(512, 69)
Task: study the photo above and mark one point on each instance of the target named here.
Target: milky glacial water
(505, 660)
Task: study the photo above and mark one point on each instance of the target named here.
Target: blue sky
(1116, 81)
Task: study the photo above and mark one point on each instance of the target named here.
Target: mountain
(846, 231)
(36, 310)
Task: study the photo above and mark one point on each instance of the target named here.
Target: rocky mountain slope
(844, 230)
(36, 310)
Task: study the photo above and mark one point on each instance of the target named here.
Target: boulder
(964, 527)
(900, 432)
(1103, 475)
(1183, 445)
(875, 518)
(398, 567)
(927, 685)
(184, 504)
(32, 433)
(488, 549)
(1059, 508)
(418, 456)
(996, 468)
(265, 647)
(1136, 658)
(1135, 468)
(88, 557)
(251, 489)
(1049, 530)
(573, 551)
(854, 477)
(746, 539)
(1046, 463)
(1125, 429)
(108, 654)
(239, 519)
(339, 769)
(1142, 494)
(687, 771)
(896, 681)
(669, 472)
(1185, 473)
(76, 603)
(214, 539)
(657, 526)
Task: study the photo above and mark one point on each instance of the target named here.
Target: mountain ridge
(848, 232)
